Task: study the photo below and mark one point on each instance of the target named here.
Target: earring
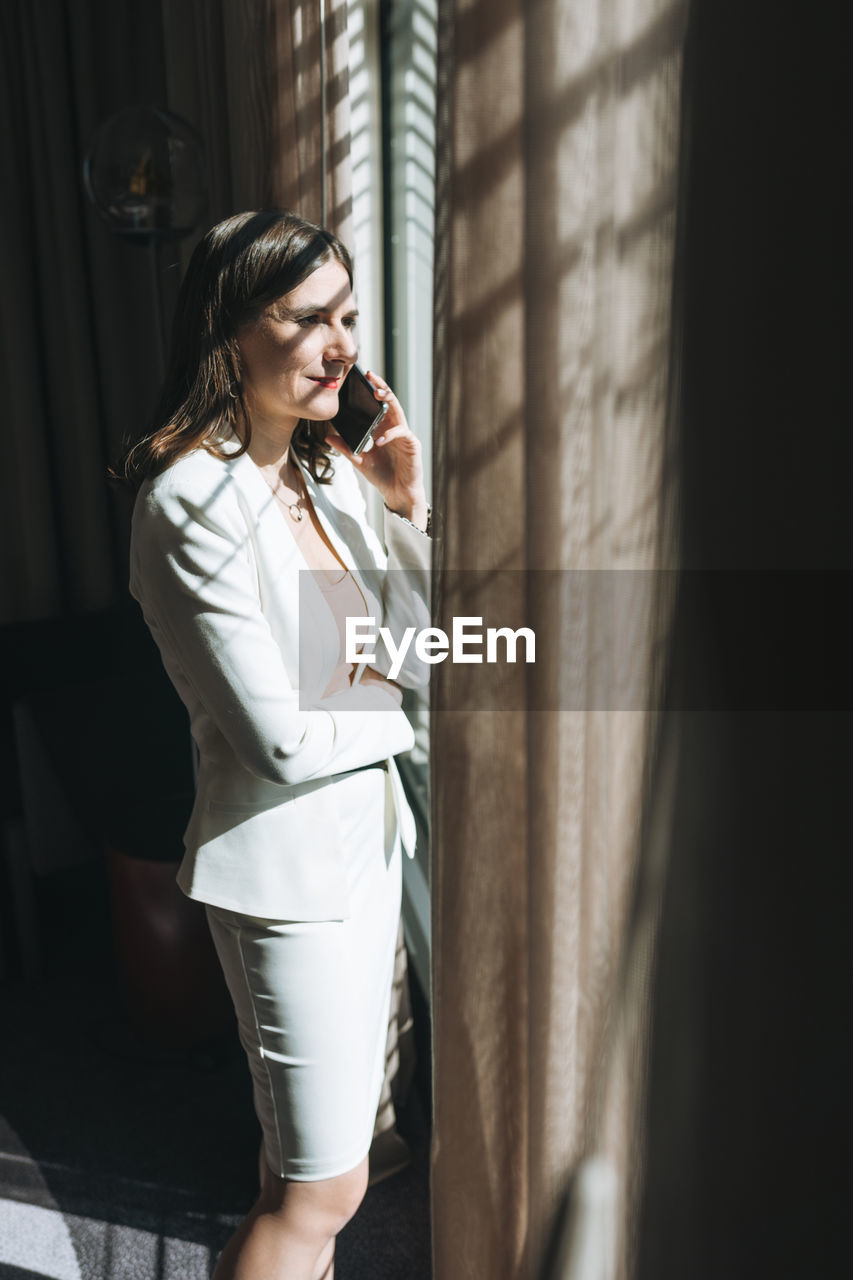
(231, 390)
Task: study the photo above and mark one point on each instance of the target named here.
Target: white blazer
(217, 574)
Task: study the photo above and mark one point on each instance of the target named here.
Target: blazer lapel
(270, 519)
(328, 514)
(325, 514)
(279, 547)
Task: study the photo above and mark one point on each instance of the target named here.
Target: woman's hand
(370, 676)
(393, 461)
(342, 678)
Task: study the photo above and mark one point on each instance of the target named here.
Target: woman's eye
(305, 322)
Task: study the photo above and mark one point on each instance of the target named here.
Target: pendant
(295, 511)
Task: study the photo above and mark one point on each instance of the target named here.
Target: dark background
(750, 1129)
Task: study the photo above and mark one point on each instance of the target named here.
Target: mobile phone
(359, 412)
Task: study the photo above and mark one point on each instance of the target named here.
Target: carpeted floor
(120, 1163)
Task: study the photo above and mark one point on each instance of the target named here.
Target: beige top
(345, 599)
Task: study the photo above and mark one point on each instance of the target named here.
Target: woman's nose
(344, 345)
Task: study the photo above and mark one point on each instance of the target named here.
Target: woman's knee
(337, 1199)
(326, 1205)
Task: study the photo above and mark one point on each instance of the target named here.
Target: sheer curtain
(266, 82)
(556, 224)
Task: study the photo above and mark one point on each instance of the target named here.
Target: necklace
(295, 509)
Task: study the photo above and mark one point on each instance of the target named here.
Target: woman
(294, 840)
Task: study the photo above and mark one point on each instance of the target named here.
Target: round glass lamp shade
(144, 173)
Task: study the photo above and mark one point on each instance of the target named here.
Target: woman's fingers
(383, 392)
(395, 417)
(397, 472)
(394, 433)
(380, 387)
(369, 676)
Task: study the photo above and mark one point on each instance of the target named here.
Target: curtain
(267, 86)
(79, 350)
(311, 122)
(555, 492)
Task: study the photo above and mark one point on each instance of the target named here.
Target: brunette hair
(237, 269)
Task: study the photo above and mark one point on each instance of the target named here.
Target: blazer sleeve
(192, 573)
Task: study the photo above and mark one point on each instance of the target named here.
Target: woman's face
(295, 356)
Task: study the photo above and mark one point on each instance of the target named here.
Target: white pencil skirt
(312, 999)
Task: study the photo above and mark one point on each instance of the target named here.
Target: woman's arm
(394, 467)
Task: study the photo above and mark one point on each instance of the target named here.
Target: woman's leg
(289, 1234)
(325, 1269)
